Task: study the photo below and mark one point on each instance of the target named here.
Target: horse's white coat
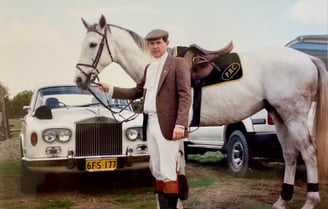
(284, 77)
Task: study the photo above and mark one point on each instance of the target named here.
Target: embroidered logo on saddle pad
(225, 68)
(231, 71)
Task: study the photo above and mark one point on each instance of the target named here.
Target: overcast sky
(40, 39)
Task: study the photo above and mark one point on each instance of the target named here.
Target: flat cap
(155, 34)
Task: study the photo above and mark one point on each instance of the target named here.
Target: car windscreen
(68, 96)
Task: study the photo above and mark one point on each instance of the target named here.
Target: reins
(113, 112)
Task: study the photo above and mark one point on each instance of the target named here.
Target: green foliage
(15, 106)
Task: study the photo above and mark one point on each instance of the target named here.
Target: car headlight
(60, 134)
(49, 135)
(64, 135)
(134, 133)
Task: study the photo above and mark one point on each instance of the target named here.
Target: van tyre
(238, 154)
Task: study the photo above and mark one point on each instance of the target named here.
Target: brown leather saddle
(214, 70)
(208, 55)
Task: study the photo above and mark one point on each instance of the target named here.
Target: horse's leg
(295, 138)
(290, 155)
(308, 151)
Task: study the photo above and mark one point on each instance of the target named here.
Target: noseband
(94, 74)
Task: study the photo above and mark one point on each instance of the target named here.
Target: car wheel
(238, 155)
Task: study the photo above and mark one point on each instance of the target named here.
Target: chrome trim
(70, 159)
(128, 161)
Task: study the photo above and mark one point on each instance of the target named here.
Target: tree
(15, 106)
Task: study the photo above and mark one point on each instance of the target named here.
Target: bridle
(94, 74)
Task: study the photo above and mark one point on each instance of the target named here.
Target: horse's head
(95, 53)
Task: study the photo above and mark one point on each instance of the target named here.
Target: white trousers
(163, 153)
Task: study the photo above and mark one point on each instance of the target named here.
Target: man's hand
(178, 132)
(103, 87)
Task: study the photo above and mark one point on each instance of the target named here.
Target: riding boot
(167, 201)
(183, 187)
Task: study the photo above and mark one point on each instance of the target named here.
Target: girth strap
(196, 105)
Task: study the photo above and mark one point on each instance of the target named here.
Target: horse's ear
(102, 21)
(86, 25)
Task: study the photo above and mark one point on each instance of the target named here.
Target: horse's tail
(320, 123)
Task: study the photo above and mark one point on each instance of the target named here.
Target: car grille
(98, 136)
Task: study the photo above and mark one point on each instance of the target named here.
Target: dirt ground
(211, 187)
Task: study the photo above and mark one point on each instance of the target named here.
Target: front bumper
(72, 165)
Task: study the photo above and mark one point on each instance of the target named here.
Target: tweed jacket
(173, 99)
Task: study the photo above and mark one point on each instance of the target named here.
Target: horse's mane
(140, 41)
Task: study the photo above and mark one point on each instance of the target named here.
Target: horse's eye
(93, 45)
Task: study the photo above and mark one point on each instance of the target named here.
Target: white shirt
(154, 72)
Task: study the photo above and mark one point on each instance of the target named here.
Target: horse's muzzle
(82, 85)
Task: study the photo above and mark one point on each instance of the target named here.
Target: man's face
(158, 47)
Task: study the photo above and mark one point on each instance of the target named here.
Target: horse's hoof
(279, 204)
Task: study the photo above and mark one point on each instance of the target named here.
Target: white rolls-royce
(68, 129)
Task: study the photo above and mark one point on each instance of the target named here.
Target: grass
(56, 204)
(15, 124)
(251, 204)
(201, 179)
(208, 157)
(9, 168)
(206, 176)
(135, 199)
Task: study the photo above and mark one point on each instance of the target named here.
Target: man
(166, 89)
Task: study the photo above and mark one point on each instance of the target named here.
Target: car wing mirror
(43, 112)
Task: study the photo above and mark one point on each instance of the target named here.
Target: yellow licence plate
(101, 164)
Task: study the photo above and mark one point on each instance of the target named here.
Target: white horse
(283, 80)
